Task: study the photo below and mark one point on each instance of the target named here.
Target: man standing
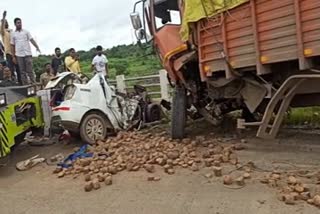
(100, 62)
(72, 62)
(57, 63)
(21, 50)
(47, 75)
(5, 34)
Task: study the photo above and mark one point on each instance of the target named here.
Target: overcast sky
(81, 24)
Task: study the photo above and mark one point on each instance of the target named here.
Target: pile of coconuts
(134, 151)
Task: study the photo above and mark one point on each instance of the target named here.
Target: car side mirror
(136, 21)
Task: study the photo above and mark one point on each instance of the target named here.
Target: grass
(304, 116)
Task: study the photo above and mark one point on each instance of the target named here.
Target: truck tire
(179, 113)
(94, 127)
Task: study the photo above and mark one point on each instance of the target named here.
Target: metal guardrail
(159, 81)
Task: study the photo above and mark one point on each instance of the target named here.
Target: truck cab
(161, 26)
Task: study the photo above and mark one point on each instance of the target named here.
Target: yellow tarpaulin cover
(199, 9)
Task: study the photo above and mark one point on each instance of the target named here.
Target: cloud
(80, 24)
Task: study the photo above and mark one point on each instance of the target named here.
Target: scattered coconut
(194, 167)
(96, 184)
(292, 180)
(150, 178)
(61, 174)
(299, 188)
(170, 171)
(149, 168)
(108, 181)
(227, 180)
(289, 199)
(87, 177)
(88, 187)
(316, 200)
(156, 178)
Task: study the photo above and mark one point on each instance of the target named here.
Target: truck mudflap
(302, 84)
(4, 140)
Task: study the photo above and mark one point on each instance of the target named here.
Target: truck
(258, 56)
(20, 112)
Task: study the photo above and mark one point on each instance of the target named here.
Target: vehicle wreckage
(95, 109)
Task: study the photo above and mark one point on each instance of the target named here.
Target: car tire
(179, 113)
(94, 127)
(153, 113)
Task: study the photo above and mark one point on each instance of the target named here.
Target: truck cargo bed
(260, 33)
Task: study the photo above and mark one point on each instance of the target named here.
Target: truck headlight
(31, 91)
(3, 100)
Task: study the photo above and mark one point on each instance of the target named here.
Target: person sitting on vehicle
(7, 78)
(72, 62)
(100, 62)
(47, 75)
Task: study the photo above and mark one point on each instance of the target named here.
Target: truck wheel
(93, 127)
(179, 112)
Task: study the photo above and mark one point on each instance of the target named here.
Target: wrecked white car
(95, 109)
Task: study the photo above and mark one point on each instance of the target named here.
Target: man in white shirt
(20, 45)
(100, 62)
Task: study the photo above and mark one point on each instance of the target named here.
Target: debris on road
(150, 153)
(217, 171)
(135, 151)
(240, 181)
(29, 163)
(291, 189)
(54, 160)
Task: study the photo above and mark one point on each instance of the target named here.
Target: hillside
(130, 60)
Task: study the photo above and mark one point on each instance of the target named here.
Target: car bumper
(59, 124)
(68, 117)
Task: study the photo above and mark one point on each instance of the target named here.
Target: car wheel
(179, 116)
(94, 127)
(153, 113)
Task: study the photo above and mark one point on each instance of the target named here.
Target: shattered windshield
(166, 12)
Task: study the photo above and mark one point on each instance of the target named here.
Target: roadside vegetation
(130, 60)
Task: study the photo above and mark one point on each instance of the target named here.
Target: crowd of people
(16, 67)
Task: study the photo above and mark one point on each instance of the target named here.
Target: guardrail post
(121, 83)
(164, 84)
